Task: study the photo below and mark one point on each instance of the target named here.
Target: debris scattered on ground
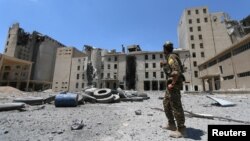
(9, 90)
(30, 100)
(77, 125)
(207, 116)
(222, 102)
(11, 106)
(138, 112)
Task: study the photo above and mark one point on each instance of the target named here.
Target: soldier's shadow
(194, 134)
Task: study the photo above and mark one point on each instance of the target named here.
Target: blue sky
(108, 23)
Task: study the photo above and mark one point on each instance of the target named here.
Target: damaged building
(14, 72)
(204, 34)
(229, 69)
(37, 48)
(210, 45)
(70, 70)
(136, 69)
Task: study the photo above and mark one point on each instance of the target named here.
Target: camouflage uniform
(172, 100)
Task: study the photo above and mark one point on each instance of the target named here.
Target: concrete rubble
(116, 121)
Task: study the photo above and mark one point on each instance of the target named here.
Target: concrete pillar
(28, 79)
(212, 83)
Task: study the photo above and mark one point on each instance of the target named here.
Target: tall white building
(204, 34)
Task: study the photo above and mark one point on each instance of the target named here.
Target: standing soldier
(172, 100)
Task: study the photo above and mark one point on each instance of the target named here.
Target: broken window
(82, 85)
(115, 58)
(153, 56)
(154, 74)
(204, 11)
(154, 65)
(77, 76)
(193, 46)
(198, 20)
(195, 63)
(197, 11)
(115, 66)
(162, 74)
(78, 67)
(200, 37)
(199, 28)
(205, 20)
(221, 70)
(108, 75)
(146, 65)
(146, 74)
(190, 21)
(201, 45)
(192, 37)
(202, 54)
(83, 76)
(196, 74)
(146, 57)
(191, 29)
(108, 66)
(189, 12)
(194, 54)
(76, 85)
(102, 66)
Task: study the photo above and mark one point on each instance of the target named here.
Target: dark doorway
(23, 86)
(107, 84)
(146, 85)
(186, 87)
(131, 72)
(195, 88)
(114, 85)
(154, 85)
(216, 83)
(162, 85)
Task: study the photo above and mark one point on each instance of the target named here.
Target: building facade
(37, 48)
(15, 72)
(69, 69)
(229, 69)
(138, 70)
(204, 34)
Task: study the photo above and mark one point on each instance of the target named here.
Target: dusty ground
(115, 122)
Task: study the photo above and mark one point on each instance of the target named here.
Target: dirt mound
(8, 89)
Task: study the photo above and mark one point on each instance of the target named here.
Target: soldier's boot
(179, 133)
(170, 126)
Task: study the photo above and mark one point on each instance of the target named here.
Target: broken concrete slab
(30, 100)
(11, 106)
(222, 102)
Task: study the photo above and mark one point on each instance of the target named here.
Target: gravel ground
(115, 122)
